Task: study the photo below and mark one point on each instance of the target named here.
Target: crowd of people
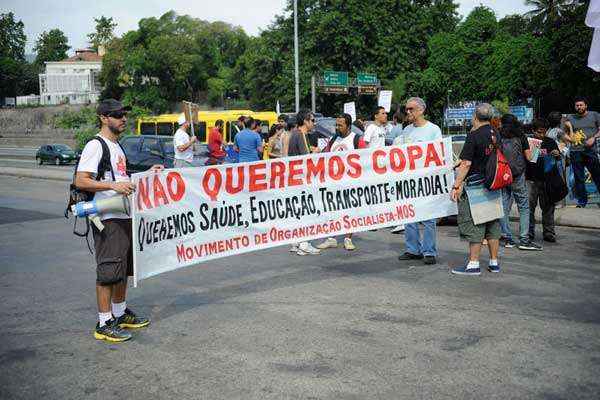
(538, 179)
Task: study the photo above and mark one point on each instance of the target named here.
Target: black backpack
(77, 195)
(512, 148)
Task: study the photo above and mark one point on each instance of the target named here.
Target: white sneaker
(329, 242)
(398, 229)
(307, 248)
(294, 248)
(348, 245)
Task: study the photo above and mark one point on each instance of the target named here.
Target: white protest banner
(185, 216)
(535, 146)
(350, 108)
(385, 99)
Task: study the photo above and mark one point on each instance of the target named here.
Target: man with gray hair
(470, 171)
(419, 130)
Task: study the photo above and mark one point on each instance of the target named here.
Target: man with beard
(584, 129)
(102, 172)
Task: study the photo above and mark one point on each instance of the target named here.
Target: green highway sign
(366, 79)
(335, 78)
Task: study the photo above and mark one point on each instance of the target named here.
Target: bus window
(164, 128)
(227, 132)
(200, 131)
(264, 127)
(147, 128)
(231, 131)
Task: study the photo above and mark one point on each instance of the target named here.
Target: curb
(27, 173)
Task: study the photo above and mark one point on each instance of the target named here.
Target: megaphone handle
(96, 221)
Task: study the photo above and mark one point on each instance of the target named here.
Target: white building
(74, 80)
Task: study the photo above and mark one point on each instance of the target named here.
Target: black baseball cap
(110, 105)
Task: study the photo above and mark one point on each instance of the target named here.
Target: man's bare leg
(474, 251)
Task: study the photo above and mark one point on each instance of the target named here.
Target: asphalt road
(270, 325)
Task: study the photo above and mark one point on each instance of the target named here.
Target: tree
(547, 11)
(389, 37)
(515, 25)
(104, 32)
(12, 55)
(51, 46)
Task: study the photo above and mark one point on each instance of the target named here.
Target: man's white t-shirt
(413, 134)
(90, 158)
(343, 143)
(375, 136)
(181, 137)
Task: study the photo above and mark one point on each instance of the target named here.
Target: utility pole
(296, 61)
(313, 92)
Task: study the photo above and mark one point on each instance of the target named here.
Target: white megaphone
(93, 208)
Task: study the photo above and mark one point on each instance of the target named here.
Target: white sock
(494, 263)
(103, 317)
(118, 309)
(473, 264)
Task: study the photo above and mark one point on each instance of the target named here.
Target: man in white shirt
(419, 130)
(376, 132)
(102, 172)
(183, 144)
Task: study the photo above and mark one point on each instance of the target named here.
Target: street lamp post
(296, 60)
(447, 107)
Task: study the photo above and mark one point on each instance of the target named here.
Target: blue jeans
(414, 244)
(579, 161)
(518, 191)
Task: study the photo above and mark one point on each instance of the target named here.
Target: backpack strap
(356, 140)
(105, 164)
(331, 141)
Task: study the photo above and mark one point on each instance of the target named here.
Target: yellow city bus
(166, 124)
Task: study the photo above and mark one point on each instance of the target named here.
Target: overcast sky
(76, 18)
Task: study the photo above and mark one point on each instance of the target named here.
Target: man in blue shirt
(248, 143)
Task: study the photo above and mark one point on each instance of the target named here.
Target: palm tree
(547, 11)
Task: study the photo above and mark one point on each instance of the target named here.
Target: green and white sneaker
(132, 321)
(111, 332)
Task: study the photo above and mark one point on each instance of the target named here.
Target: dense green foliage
(50, 46)
(68, 119)
(104, 33)
(12, 56)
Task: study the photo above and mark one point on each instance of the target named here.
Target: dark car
(144, 151)
(56, 154)
(324, 131)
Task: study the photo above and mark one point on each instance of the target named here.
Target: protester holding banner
(515, 147)
(248, 143)
(473, 160)
(537, 179)
(113, 244)
(183, 144)
(343, 140)
(584, 130)
(298, 146)
(376, 132)
(419, 130)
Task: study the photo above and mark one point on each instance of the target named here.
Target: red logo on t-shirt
(121, 166)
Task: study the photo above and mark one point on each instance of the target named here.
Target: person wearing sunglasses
(419, 130)
(102, 171)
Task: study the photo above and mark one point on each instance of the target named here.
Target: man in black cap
(102, 171)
